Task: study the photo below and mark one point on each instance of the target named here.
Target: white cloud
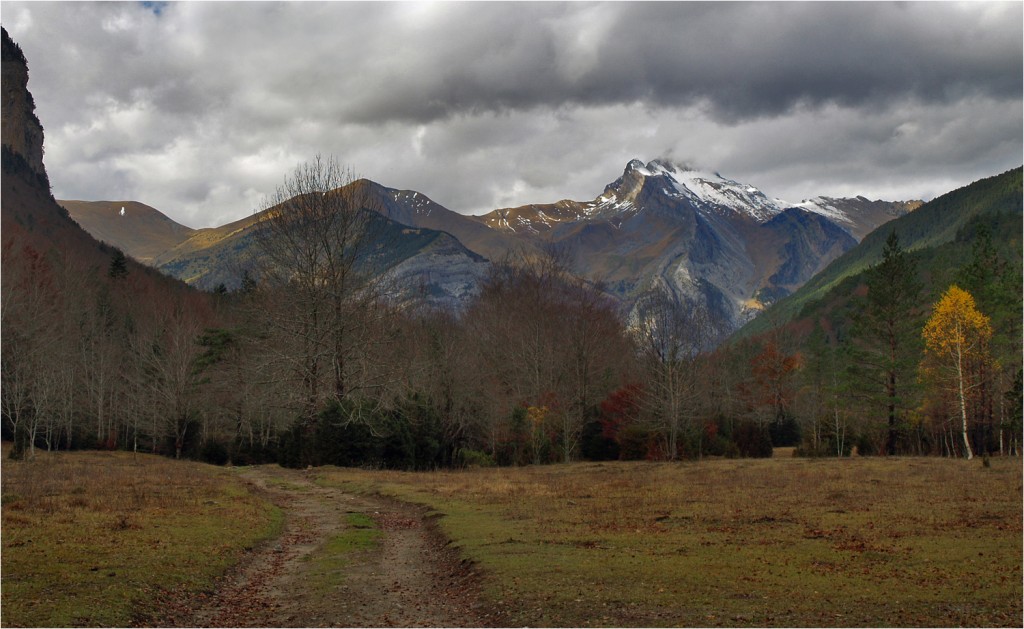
(202, 109)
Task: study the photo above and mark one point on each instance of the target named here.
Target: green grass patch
(361, 533)
(285, 485)
(96, 539)
(792, 542)
(328, 564)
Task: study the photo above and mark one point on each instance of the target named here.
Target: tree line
(922, 359)
(319, 358)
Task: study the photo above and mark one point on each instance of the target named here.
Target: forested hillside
(872, 356)
(931, 225)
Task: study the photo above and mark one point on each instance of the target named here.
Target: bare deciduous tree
(315, 237)
(598, 351)
(670, 335)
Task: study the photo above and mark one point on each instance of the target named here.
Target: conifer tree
(883, 337)
(823, 395)
(118, 265)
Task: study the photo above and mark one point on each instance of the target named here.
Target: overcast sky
(201, 108)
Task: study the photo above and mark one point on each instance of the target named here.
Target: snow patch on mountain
(419, 203)
(711, 192)
(826, 207)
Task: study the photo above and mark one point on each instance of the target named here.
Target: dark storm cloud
(741, 60)
(200, 108)
(763, 59)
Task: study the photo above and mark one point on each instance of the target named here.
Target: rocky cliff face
(20, 130)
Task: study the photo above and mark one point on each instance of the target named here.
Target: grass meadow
(777, 542)
(112, 539)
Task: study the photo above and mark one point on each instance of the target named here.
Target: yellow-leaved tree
(956, 338)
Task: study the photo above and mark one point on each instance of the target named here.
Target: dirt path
(410, 580)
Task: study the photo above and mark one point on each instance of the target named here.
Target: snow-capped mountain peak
(673, 189)
(705, 190)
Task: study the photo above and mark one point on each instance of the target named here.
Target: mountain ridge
(706, 239)
(709, 191)
(431, 262)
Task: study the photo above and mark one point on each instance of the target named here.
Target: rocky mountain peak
(633, 164)
(696, 188)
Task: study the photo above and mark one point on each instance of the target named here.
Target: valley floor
(885, 541)
(110, 539)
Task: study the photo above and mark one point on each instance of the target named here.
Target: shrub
(866, 446)
(718, 445)
(634, 443)
(245, 453)
(595, 446)
(785, 432)
(752, 440)
(474, 458)
(214, 452)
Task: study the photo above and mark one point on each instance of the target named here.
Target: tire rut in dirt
(410, 580)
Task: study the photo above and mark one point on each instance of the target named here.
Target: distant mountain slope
(137, 229)
(933, 224)
(705, 238)
(415, 209)
(428, 262)
(203, 239)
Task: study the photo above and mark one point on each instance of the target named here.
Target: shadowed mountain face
(706, 239)
(20, 128)
(31, 219)
(415, 209)
(422, 261)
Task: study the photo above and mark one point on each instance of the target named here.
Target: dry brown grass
(96, 538)
(877, 542)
